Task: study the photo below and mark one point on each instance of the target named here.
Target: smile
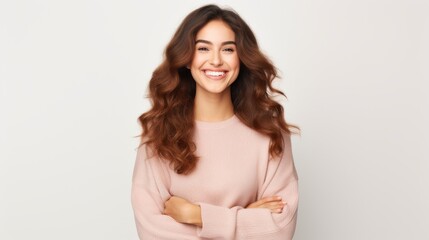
(217, 75)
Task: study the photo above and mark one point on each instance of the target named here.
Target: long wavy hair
(168, 127)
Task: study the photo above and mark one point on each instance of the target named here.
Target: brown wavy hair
(168, 127)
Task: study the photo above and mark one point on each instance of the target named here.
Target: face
(215, 65)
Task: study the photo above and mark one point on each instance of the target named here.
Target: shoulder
(146, 153)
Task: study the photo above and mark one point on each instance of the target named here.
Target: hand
(183, 211)
(274, 204)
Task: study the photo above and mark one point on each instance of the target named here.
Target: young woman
(215, 158)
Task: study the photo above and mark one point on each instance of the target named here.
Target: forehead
(216, 31)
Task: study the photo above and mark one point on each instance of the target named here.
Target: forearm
(183, 211)
(195, 216)
(255, 223)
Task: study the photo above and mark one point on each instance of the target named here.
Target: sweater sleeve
(148, 194)
(280, 179)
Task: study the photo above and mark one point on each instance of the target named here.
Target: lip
(215, 69)
(215, 77)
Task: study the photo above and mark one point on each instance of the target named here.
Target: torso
(232, 157)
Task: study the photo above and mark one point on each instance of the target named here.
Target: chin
(213, 90)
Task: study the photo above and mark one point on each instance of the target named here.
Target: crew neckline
(217, 124)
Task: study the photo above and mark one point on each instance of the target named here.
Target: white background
(73, 77)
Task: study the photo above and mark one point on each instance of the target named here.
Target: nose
(216, 59)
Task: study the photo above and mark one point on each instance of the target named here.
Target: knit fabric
(234, 170)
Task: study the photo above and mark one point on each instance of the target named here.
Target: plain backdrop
(73, 78)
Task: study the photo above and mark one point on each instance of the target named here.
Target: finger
(271, 199)
(268, 199)
(274, 208)
(278, 208)
(265, 200)
(273, 205)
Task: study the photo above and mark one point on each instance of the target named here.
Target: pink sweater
(234, 170)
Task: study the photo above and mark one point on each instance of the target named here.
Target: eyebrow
(208, 42)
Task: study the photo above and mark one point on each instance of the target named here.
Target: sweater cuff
(217, 222)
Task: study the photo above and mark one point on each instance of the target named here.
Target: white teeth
(214, 74)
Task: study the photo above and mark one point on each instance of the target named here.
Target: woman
(215, 159)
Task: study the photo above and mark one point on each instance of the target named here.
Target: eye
(202, 49)
(229, 50)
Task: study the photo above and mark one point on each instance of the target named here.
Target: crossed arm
(186, 212)
(159, 215)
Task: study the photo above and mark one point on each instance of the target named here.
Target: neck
(211, 107)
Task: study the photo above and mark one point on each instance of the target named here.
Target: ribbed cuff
(218, 222)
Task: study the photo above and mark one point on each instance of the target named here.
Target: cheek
(234, 62)
(236, 66)
(197, 60)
